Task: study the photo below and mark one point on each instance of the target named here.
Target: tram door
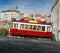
(48, 30)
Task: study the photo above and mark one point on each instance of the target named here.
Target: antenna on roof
(16, 7)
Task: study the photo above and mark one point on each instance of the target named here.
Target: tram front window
(48, 29)
(15, 25)
(11, 25)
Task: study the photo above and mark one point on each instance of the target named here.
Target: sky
(28, 6)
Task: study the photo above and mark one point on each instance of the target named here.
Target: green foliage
(3, 31)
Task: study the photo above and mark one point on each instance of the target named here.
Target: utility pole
(3, 26)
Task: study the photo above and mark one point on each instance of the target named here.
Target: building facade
(8, 15)
(36, 16)
(55, 17)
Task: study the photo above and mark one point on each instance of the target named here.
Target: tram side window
(26, 27)
(22, 26)
(34, 27)
(39, 28)
(30, 27)
(43, 28)
(15, 25)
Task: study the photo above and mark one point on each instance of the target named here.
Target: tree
(3, 31)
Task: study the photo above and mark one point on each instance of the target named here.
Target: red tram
(31, 28)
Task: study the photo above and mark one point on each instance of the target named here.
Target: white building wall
(55, 20)
(9, 15)
(59, 14)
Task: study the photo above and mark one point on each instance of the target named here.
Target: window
(22, 26)
(43, 28)
(34, 27)
(30, 27)
(39, 28)
(48, 29)
(26, 26)
(15, 25)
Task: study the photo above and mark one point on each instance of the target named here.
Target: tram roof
(33, 22)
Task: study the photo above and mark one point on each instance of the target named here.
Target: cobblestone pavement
(28, 45)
